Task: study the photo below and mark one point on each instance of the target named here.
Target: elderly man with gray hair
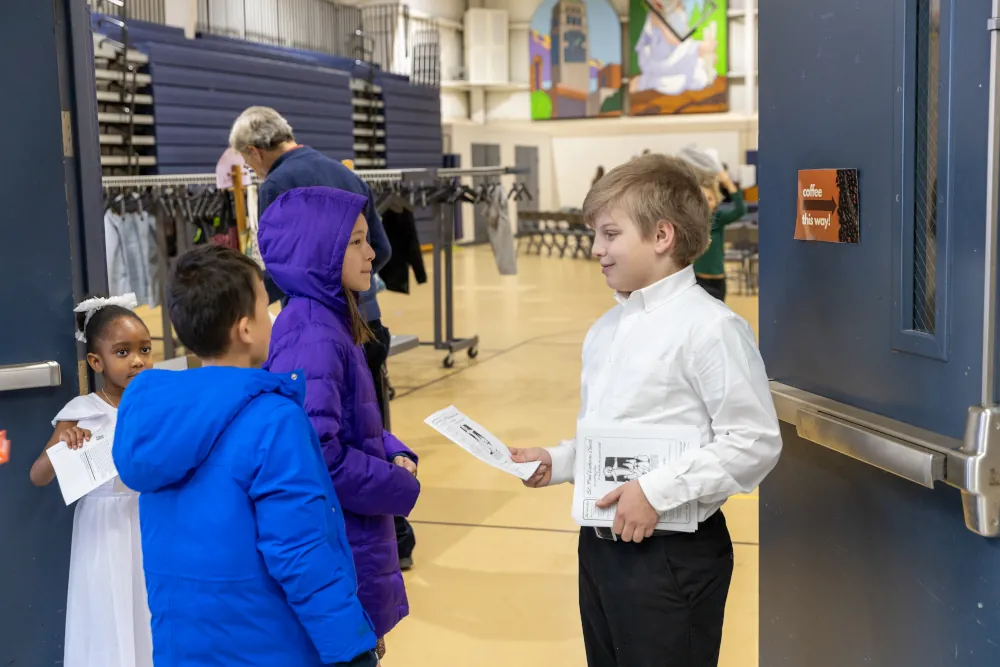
(266, 141)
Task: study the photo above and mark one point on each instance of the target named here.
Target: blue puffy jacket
(244, 549)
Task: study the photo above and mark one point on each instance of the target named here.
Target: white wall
(569, 152)
(182, 14)
(576, 158)
(459, 138)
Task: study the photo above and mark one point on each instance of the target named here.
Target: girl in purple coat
(312, 241)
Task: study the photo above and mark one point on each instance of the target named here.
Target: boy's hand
(75, 437)
(543, 475)
(635, 518)
(406, 462)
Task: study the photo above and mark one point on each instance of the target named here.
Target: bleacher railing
(153, 11)
(384, 34)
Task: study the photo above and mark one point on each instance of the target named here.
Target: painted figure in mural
(671, 64)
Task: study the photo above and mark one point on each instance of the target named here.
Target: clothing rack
(443, 242)
(443, 247)
(443, 279)
(137, 183)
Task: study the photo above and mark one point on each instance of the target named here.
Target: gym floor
(495, 580)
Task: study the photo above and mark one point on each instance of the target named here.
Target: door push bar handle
(30, 376)
(971, 465)
(916, 464)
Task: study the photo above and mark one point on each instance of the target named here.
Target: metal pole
(438, 240)
(449, 279)
(992, 201)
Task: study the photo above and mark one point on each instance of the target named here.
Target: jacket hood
(303, 236)
(169, 421)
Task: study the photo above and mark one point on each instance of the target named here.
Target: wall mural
(679, 57)
(575, 59)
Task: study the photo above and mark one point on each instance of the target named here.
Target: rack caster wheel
(449, 361)
(473, 352)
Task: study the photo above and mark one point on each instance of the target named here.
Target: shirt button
(295, 376)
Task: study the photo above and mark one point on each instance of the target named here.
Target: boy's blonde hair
(651, 189)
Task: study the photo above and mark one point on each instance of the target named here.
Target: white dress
(107, 618)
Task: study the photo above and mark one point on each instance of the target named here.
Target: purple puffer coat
(303, 237)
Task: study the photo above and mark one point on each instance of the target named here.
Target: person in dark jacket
(313, 242)
(245, 552)
(267, 143)
(710, 268)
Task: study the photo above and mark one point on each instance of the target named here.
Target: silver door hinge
(67, 134)
(993, 24)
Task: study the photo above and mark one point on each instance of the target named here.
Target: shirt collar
(284, 156)
(661, 292)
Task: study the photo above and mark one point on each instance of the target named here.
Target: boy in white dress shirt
(668, 354)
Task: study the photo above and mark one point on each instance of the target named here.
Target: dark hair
(95, 329)
(359, 328)
(211, 289)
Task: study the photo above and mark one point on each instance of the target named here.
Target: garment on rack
(494, 208)
(253, 249)
(132, 256)
(401, 228)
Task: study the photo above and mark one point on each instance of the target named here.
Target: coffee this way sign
(828, 206)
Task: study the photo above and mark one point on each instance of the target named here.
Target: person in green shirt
(710, 268)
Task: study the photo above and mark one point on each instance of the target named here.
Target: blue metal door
(49, 179)
(860, 566)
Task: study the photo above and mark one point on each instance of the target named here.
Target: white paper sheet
(80, 471)
(479, 442)
(609, 456)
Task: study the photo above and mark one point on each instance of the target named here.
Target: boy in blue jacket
(245, 554)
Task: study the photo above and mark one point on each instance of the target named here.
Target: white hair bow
(91, 306)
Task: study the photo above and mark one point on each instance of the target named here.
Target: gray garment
(700, 160)
(132, 256)
(500, 235)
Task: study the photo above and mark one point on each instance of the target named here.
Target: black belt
(605, 533)
(608, 534)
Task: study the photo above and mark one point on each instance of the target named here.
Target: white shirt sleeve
(563, 461)
(728, 373)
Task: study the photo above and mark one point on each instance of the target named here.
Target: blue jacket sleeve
(293, 515)
(377, 237)
(366, 484)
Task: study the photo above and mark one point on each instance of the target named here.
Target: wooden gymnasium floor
(495, 578)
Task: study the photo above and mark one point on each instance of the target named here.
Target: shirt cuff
(661, 493)
(563, 461)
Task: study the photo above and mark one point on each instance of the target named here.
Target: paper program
(80, 471)
(607, 457)
(479, 442)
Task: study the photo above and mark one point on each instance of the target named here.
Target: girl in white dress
(107, 619)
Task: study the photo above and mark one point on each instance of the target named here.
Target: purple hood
(303, 237)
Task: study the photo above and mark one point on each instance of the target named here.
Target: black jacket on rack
(401, 228)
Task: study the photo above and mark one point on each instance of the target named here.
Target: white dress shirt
(672, 355)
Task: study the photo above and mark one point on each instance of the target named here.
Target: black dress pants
(659, 603)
